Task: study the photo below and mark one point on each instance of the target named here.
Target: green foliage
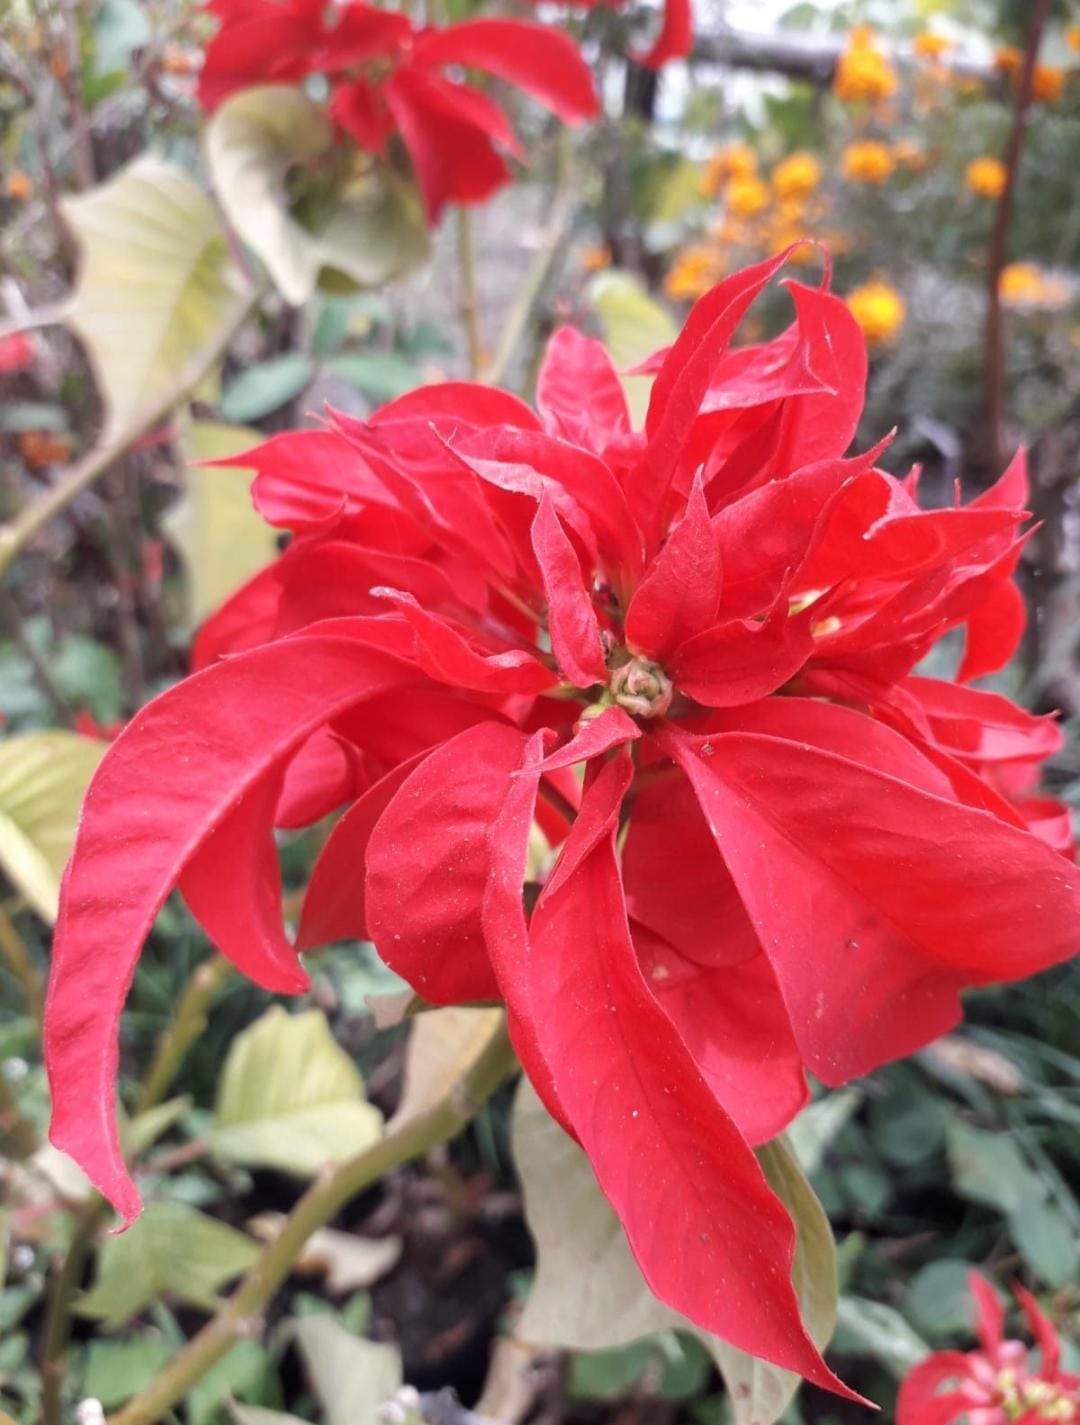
(290, 1098)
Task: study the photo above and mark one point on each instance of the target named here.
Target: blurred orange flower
(930, 45)
(986, 176)
(796, 176)
(596, 257)
(910, 154)
(39, 448)
(1025, 284)
(18, 185)
(734, 160)
(868, 161)
(693, 272)
(1048, 84)
(746, 197)
(879, 310)
(863, 72)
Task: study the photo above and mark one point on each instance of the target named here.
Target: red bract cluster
(387, 77)
(999, 1384)
(787, 851)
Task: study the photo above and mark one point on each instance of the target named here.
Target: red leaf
(207, 741)
(680, 593)
(542, 61)
(869, 959)
(334, 904)
(572, 624)
(711, 1239)
(579, 394)
(993, 631)
(428, 863)
(593, 738)
(741, 660)
(676, 37)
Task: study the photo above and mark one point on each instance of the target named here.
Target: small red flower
(16, 353)
(788, 852)
(387, 78)
(998, 1384)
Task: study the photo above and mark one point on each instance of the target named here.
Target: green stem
(540, 269)
(187, 1024)
(65, 1284)
(470, 307)
(13, 949)
(322, 1201)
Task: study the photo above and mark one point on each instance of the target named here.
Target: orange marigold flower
(986, 176)
(596, 257)
(18, 185)
(175, 60)
(1025, 284)
(746, 197)
(1072, 36)
(879, 310)
(863, 72)
(930, 45)
(1008, 60)
(693, 272)
(734, 160)
(868, 161)
(796, 176)
(1048, 84)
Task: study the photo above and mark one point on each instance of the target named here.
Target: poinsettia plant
(627, 733)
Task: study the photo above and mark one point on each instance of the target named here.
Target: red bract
(674, 39)
(998, 1384)
(788, 851)
(387, 78)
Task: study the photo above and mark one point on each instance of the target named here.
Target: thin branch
(540, 269)
(184, 1029)
(14, 951)
(470, 307)
(994, 375)
(326, 1196)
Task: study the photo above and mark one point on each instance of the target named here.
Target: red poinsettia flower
(998, 1384)
(674, 39)
(784, 855)
(387, 78)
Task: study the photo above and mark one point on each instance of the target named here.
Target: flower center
(641, 687)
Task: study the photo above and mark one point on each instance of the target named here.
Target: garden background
(156, 312)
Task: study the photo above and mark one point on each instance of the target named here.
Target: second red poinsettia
(787, 852)
(998, 1384)
(389, 78)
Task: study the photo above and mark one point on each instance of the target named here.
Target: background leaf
(157, 295)
(170, 1249)
(371, 232)
(266, 386)
(290, 1097)
(219, 536)
(43, 776)
(353, 1378)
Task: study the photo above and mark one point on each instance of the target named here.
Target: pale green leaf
(874, 1329)
(380, 375)
(374, 230)
(291, 1098)
(171, 1250)
(588, 1292)
(266, 386)
(157, 295)
(116, 1370)
(119, 27)
(352, 1378)
(43, 776)
(443, 1046)
(817, 1125)
(633, 327)
(219, 536)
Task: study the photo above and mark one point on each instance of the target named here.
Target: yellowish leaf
(43, 776)
(219, 536)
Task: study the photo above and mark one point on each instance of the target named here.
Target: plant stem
(187, 1024)
(65, 1283)
(540, 269)
(470, 308)
(994, 376)
(326, 1196)
(13, 948)
(19, 1136)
